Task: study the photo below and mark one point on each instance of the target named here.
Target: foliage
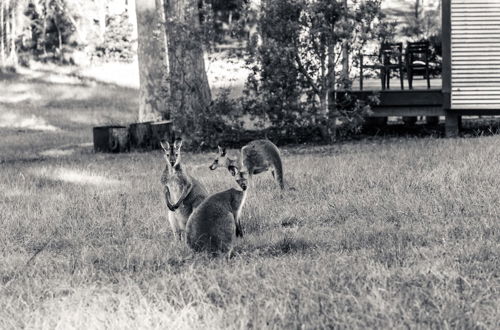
(56, 29)
(211, 124)
(117, 43)
(421, 23)
(436, 52)
(51, 29)
(225, 13)
(296, 63)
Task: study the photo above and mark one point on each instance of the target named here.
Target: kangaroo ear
(178, 144)
(165, 145)
(222, 150)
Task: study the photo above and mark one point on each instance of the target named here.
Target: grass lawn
(396, 233)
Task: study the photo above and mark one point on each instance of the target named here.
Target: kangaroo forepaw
(239, 232)
(171, 207)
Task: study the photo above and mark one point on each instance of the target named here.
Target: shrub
(218, 122)
(297, 62)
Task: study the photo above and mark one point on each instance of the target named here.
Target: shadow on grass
(285, 245)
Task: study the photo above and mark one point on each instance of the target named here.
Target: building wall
(475, 54)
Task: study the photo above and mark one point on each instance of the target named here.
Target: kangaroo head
(242, 179)
(222, 160)
(172, 152)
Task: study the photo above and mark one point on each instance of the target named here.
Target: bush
(436, 53)
(295, 64)
(213, 124)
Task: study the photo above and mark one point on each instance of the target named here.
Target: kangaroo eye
(216, 161)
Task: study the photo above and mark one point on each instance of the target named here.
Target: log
(111, 139)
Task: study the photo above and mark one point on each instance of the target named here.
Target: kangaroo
(179, 186)
(256, 157)
(213, 225)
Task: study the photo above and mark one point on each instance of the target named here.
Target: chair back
(390, 51)
(417, 50)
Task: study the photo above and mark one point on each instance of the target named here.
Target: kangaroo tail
(278, 167)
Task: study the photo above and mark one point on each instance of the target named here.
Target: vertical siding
(475, 54)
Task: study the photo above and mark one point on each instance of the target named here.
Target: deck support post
(453, 124)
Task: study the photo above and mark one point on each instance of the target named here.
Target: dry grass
(386, 234)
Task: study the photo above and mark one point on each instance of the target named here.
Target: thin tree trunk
(59, 38)
(190, 90)
(331, 111)
(152, 55)
(13, 35)
(345, 54)
(44, 30)
(2, 35)
(345, 60)
(255, 7)
(7, 32)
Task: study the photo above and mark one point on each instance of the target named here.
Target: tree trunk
(345, 55)
(10, 39)
(330, 109)
(59, 39)
(152, 55)
(2, 35)
(345, 60)
(7, 32)
(190, 90)
(13, 35)
(255, 6)
(44, 30)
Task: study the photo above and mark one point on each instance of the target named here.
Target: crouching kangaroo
(256, 157)
(213, 225)
(182, 192)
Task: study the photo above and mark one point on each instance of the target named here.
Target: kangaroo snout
(212, 167)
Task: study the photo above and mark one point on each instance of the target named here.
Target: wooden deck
(418, 101)
(418, 84)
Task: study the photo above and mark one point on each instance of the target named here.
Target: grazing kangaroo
(213, 225)
(179, 186)
(256, 157)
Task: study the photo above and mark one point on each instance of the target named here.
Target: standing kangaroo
(179, 186)
(213, 225)
(256, 157)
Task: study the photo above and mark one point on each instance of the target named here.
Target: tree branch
(304, 72)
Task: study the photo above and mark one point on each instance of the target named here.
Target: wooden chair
(389, 57)
(417, 61)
